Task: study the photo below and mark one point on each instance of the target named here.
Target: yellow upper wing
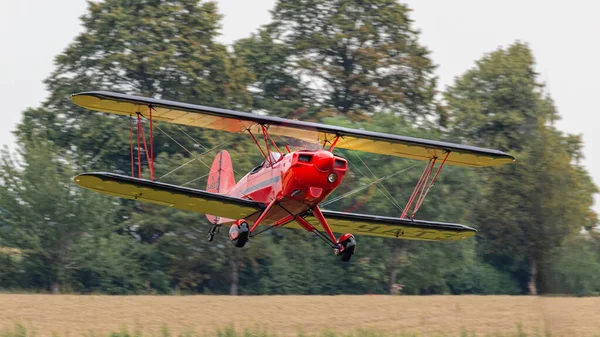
(234, 121)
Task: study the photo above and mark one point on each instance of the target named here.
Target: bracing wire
(196, 179)
(190, 137)
(356, 190)
(173, 139)
(181, 166)
(190, 152)
(385, 190)
(202, 146)
(388, 197)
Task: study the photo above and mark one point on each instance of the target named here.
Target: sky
(562, 35)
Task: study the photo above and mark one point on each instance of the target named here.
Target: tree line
(344, 62)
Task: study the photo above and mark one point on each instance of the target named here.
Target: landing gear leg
(344, 247)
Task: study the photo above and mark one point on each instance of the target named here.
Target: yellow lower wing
(235, 208)
(184, 198)
(371, 225)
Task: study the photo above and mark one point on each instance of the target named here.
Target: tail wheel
(347, 247)
(238, 233)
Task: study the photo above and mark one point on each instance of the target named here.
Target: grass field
(72, 315)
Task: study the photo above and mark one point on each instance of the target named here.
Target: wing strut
(267, 158)
(151, 144)
(141, 137)
(423, 186)
(332, 146)
(267, 138)
(266, 134)
(131, 144)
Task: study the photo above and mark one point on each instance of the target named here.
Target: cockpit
(275, 157)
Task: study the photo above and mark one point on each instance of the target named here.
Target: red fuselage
(299, 181)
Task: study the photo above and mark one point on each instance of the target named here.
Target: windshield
(275, 157)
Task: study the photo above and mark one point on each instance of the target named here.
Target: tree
(546, 196)
(351, 63)
(574, 268)
(277, 89)
(355, 56)
(163, 49)
(46, 214)
(497, 102)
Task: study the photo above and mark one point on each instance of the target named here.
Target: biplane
(287, 188)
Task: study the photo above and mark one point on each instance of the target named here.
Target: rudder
(220, 179)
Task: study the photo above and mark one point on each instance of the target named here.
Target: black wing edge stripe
(296, 124)
(191, 192)
(333, 215)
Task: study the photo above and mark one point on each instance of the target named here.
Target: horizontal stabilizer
(184, 198)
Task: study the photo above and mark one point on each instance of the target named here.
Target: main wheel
(348, 245)
(238, 233)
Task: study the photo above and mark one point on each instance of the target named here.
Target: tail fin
(220, 178)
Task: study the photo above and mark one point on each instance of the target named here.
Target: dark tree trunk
(533, 273)
(393, 268)
(55, 287)
(234, 276)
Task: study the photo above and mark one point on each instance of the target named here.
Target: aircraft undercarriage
(240, 232)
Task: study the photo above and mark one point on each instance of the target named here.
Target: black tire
(243, 233)
(349, 247)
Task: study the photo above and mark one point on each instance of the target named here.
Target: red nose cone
(323, 160)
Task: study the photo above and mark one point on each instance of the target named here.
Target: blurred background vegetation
(344, 62)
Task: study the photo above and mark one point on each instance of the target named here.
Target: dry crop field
(73, 315)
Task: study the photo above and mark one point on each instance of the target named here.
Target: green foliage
(357, 57)
(10, 259)
(276, 89)
(160, 47)
(496, 103)
(351, 63)
(45, 214)
(574, 268)
(546, 196)
(118, 265)
(163, 49)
